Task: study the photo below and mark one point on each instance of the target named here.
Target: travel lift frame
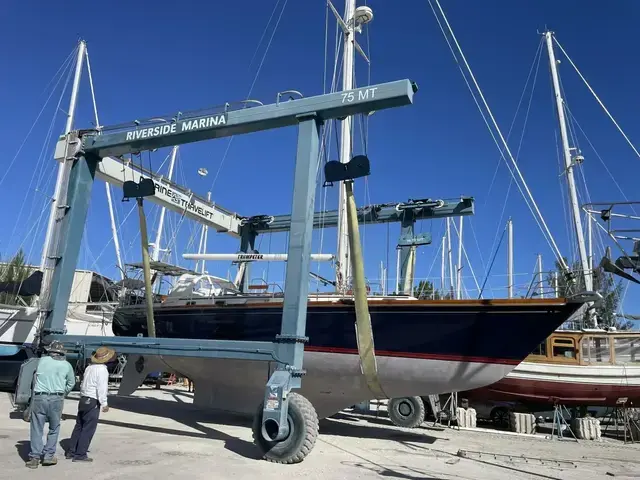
(183, 201)
(86, 148)
(405, 213)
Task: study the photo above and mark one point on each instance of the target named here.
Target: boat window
(564, 347)
(540, 349)
(596, 350)
(627, 349)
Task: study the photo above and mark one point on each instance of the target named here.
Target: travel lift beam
(405, 213)
(167, 194)
(86, 148)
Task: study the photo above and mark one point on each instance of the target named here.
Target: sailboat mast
(450, 256)
(573, 196)
(47, 249)
(540, 277)
(156, 244)
(459, 270)
(114, 230)
(342, 251)
(509, 258)
(107, 186)
(205, 231)
(443, 266)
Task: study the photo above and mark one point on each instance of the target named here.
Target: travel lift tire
(406, 412)
(303, 431)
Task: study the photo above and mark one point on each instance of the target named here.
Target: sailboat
(584, 366)
(93, 296)
(422, 347)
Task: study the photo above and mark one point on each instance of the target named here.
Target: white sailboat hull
(333, 381)
(18, 324)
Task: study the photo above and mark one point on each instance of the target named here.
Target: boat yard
(289, 375)
(180, 440)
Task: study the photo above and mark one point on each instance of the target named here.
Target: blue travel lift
(86, 148)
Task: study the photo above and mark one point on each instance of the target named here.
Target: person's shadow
(24, 449)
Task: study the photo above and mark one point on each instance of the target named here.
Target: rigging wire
(495, 254)
(539, 218)
(253, 83)
(604, 164)
(524, 127)
(596, 96)
(40, 171)
(40, 167)
(536, 59)
(464, 250)
(24, 141)
(484, 117)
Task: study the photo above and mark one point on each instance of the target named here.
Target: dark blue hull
(487, 331)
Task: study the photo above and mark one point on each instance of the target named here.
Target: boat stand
(625, 416)
(81, 152)
(560, 423)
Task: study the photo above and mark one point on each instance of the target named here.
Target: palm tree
(15, 271)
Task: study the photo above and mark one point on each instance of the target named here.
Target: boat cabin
(589, 347)
(196, 286)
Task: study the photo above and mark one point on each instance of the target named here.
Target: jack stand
(452, 414)
(625, 416)
(560, 423)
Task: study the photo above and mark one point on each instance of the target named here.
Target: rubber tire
(414, 419)
(500, 417)
(302, 437)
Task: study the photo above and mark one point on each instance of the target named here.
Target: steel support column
(290, 342)
(81, 179)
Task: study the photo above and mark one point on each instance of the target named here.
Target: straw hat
(103, 355)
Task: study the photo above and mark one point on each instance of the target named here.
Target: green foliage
(15, 271)
(604, 284)
(426, 291)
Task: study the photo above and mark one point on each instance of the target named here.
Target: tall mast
(449, 253)
(509, 258)
(573, 196)
(49, 241)
(443, 266)
(540, 277)
(459, 270)
(107, 187)
(114, 230)
(205, 231)
(156, 244)
(343, 266)
(590, 239)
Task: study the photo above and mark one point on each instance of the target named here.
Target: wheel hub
(404, 408)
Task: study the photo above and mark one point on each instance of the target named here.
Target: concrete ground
(158, 434)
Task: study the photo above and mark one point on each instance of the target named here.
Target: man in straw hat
(93, 397)
(54, 379)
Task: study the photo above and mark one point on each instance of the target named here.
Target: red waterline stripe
(423, 356)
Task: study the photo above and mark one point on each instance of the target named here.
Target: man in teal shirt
(54, 379)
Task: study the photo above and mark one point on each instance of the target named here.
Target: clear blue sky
(158, 58)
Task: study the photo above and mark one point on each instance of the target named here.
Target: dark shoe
(32, 463)
(47, 462)
(68, 455)
(83, 459)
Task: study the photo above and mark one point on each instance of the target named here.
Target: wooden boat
(591, 367)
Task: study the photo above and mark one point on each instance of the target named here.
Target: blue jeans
(45, 408)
